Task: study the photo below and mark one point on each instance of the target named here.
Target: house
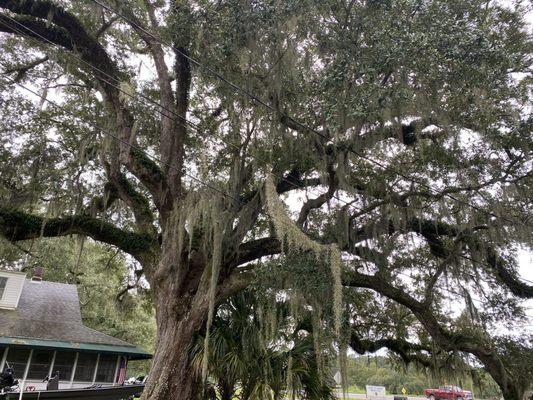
(41, 332)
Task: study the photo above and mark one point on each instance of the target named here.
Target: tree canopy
(368, 160)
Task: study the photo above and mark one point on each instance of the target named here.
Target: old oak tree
(389, 139)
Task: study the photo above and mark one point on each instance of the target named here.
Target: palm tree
(249, 363)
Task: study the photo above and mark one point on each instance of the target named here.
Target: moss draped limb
(16, 225)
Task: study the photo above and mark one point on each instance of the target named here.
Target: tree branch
(258, 248)
(17, 225)
(21, 70)
(140, 206)
(319, 200)
(432, 230)
(68, 32)
(168, 120)
(509, 279)
(408, 351)
(442, 337)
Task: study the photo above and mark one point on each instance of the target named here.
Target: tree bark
(178, 319)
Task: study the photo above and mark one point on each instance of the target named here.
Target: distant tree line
(386, 371)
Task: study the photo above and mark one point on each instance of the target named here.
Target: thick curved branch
(105, 26)
(50, 24)
(291, 181)
(235, 283)
(21, 70)
(319, 200)
(247, 217)
(102, 203)
(433, 232)
(255, 249)
(442, 337)
(17, 225)
(407, 134)
(68, 32)
(138, 203)
(172, 132)
(408, 351)
(505, 276)
(120, 187)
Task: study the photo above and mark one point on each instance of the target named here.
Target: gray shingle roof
(50, 311)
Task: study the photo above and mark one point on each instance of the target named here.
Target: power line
(182, 120)
(195, 126)
(105, 132)
(263, 103)
(146, 154)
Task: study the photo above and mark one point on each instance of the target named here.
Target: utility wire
(105, 132)
(157, 106)
(306, 128)
(195, 126)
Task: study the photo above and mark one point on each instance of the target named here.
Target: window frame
(29, 375)
(59, 354)
(3, 286)
(20, 373)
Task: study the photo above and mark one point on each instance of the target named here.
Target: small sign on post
(338, 379)
(375, 392)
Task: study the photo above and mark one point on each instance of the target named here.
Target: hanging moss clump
(295, 241)
(199, 224)
(216, 261)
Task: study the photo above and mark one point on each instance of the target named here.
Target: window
(3, 284)
(17, 359)
(85, 367)
(106, 368)
(63, 364)
(40, 364)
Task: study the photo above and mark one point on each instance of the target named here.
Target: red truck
(448, 393)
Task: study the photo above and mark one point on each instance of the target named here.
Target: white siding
(15, 282)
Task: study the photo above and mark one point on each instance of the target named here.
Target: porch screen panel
(106, 368)
(17, 358)
(2, 352)
(63, 364)
(85, 367)
(40, 364)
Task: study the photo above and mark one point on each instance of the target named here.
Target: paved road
(388, 397)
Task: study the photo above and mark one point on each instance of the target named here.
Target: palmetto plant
(248, 363)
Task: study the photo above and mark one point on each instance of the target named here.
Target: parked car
(448, 393)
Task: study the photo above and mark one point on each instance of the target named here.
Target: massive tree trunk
(180, 300)
(178, 319)
(171, 375)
